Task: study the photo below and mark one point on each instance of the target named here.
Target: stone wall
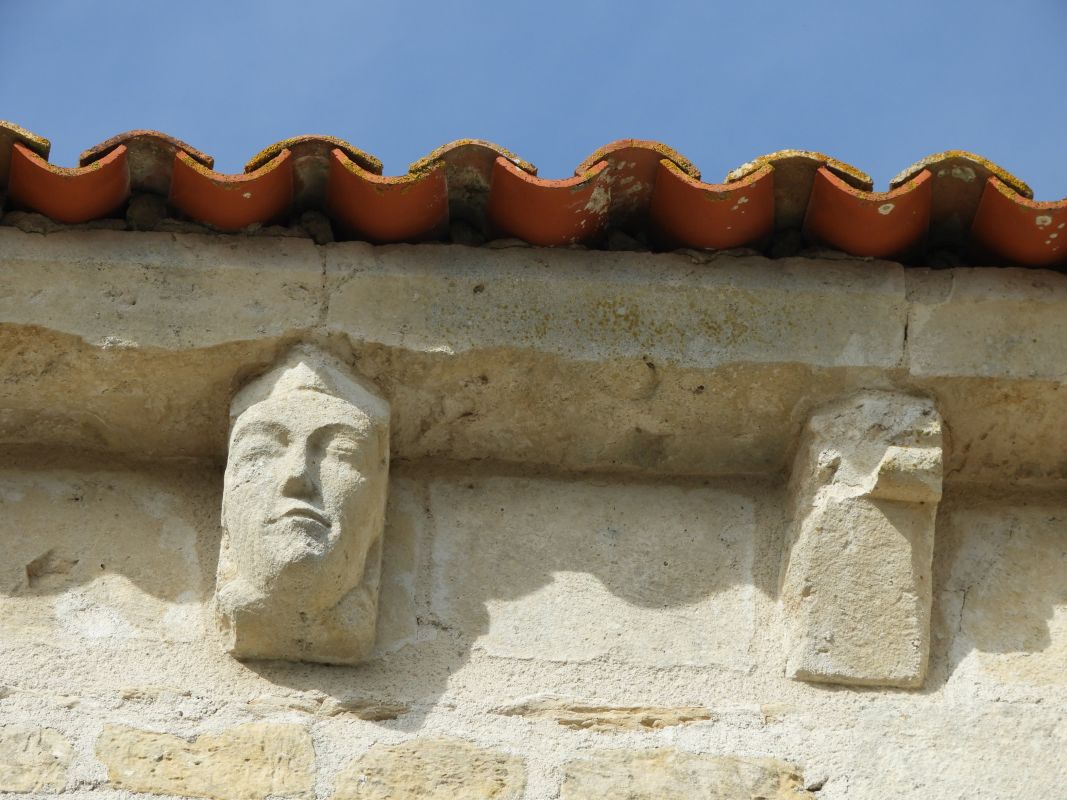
(588, 512)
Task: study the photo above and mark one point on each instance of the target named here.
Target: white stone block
(856, 577)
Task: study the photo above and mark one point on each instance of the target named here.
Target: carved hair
(306, 368)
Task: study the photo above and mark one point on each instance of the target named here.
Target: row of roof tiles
(954, 200)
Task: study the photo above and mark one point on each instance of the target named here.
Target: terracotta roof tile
(1008, 226)
(959, 180)
(548, 212)
(311, 165)
(630, 177)
(953, 201)
(11, 133)
(408, 208)
(688, 213)
(76, 194)
(232, 202)
(794, 175)
(149, 156)
(881, 224)
(469, 176)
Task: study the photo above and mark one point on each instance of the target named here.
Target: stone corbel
(303, 514)
(856, 577)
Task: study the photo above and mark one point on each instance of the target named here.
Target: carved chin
(299, 539)
(306, 533)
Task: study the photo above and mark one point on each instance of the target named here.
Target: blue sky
(876, 84)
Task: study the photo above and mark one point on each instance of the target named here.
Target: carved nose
(297, 481)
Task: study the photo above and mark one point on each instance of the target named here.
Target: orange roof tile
(75, 194)
(952, 201)
(408, 208)
(880, 224)
(232, 202)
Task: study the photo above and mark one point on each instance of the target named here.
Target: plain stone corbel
(856, 574)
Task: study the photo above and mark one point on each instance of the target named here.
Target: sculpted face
(301, 478)
(303, 514)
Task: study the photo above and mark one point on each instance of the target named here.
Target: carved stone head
(302, 513)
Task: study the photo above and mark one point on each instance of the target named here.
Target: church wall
(587, 517)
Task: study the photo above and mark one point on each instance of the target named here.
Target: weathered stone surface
(397, 615)
(1005, 591)
(626, 305)
(321, 706)
(669, 775)
(303, 510)
(988, 322)
(158, 290)
(33, 759)
(133, 342)
(83, 549)
(432, 769)
(590, 717)
(248, 762)
(856, 581)
(517, 561)
(571, 571)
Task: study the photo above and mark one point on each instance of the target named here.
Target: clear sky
(876, 84)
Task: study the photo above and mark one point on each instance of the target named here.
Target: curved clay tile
(880, 224)
(959, 180)
(312, 160)
(630, 177)
(469, 174)
(688, 213)
(71, 195)
(794, 176)
(1010, 226)
(954, 198)
(11, 133)
(232, 202)
(380, 209)
(643, 149)
(150, 156)
(548, 212)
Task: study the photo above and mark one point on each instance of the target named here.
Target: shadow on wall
(1000, 607)
(541, 572)
(527, 569)
(662, 576)
(537, 572)
(122, 553)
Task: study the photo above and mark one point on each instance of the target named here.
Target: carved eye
(344, 448)
(259, 445)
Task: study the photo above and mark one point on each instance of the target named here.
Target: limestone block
(577, 360)
(248, 762)
(1005, 592)
(604, 306)
(669, 775)
(101, 559)
(128, 290)
(591, 717)
(570, 571)
(33, 759)
(432, 769)
(988, 322)
(397, 614)
(856, 578)
(303, 513)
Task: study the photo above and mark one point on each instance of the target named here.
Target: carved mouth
(305, 512)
